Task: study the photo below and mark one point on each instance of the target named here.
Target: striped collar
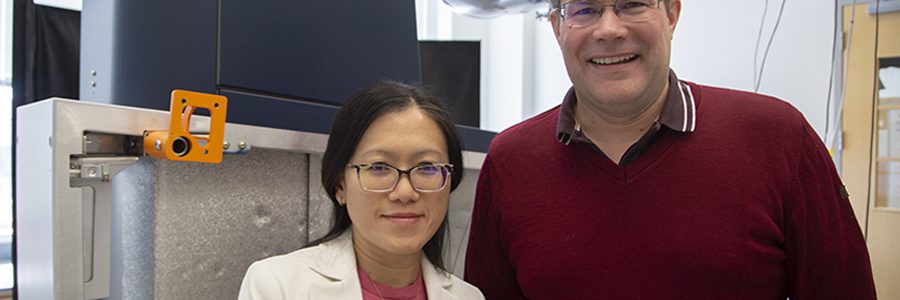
(679, 113)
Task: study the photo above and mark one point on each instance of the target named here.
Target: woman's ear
(340, 195)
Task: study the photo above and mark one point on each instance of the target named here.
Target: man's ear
(673, 12)
(554, 21)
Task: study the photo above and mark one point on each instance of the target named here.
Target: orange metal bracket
(178, 143)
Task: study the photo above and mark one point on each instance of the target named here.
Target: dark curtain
(51, 53)
(46, 43)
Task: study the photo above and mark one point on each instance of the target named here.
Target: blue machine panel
(316, 50)
(286, 64)
(160, 46)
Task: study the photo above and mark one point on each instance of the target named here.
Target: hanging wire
(834, 39)
(874, 108)
(758, 39)
(831, 140)
(762, 66)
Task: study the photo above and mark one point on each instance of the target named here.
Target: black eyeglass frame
(447, 169)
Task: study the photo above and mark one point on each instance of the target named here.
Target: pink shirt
(372, 290)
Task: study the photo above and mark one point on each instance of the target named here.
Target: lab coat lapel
(437, 283)
(336, 263)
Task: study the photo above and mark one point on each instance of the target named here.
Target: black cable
(874, 109)
(762, 66)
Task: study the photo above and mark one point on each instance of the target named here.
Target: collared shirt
(678, 113)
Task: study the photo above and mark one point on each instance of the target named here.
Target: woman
(392, 159)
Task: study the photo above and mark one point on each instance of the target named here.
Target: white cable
(762, 66)
(831, 140)
(829, 97)
(758, 39)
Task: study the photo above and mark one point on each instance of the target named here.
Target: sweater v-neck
(625, 174)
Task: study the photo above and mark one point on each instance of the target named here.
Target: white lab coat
(328, 271)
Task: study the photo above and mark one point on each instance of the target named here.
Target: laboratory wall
(715, 43)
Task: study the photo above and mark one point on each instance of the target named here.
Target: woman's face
(402, 220)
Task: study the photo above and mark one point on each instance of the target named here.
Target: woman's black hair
(352, 121)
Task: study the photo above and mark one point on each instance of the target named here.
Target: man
(643, 186)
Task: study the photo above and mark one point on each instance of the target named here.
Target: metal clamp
(178, 143)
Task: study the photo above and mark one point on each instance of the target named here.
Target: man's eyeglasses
(583, 13)
(381, 177)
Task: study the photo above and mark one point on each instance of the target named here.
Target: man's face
(617, 63)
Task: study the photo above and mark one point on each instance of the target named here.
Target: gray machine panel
(213, 220)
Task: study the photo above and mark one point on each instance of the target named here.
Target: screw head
(242, 145)
(226, 145)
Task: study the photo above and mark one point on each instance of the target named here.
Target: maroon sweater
(748, 206)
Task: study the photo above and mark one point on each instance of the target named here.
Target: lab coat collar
(337, 263)
(437, 283)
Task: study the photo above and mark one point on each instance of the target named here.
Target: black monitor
(452, 70)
